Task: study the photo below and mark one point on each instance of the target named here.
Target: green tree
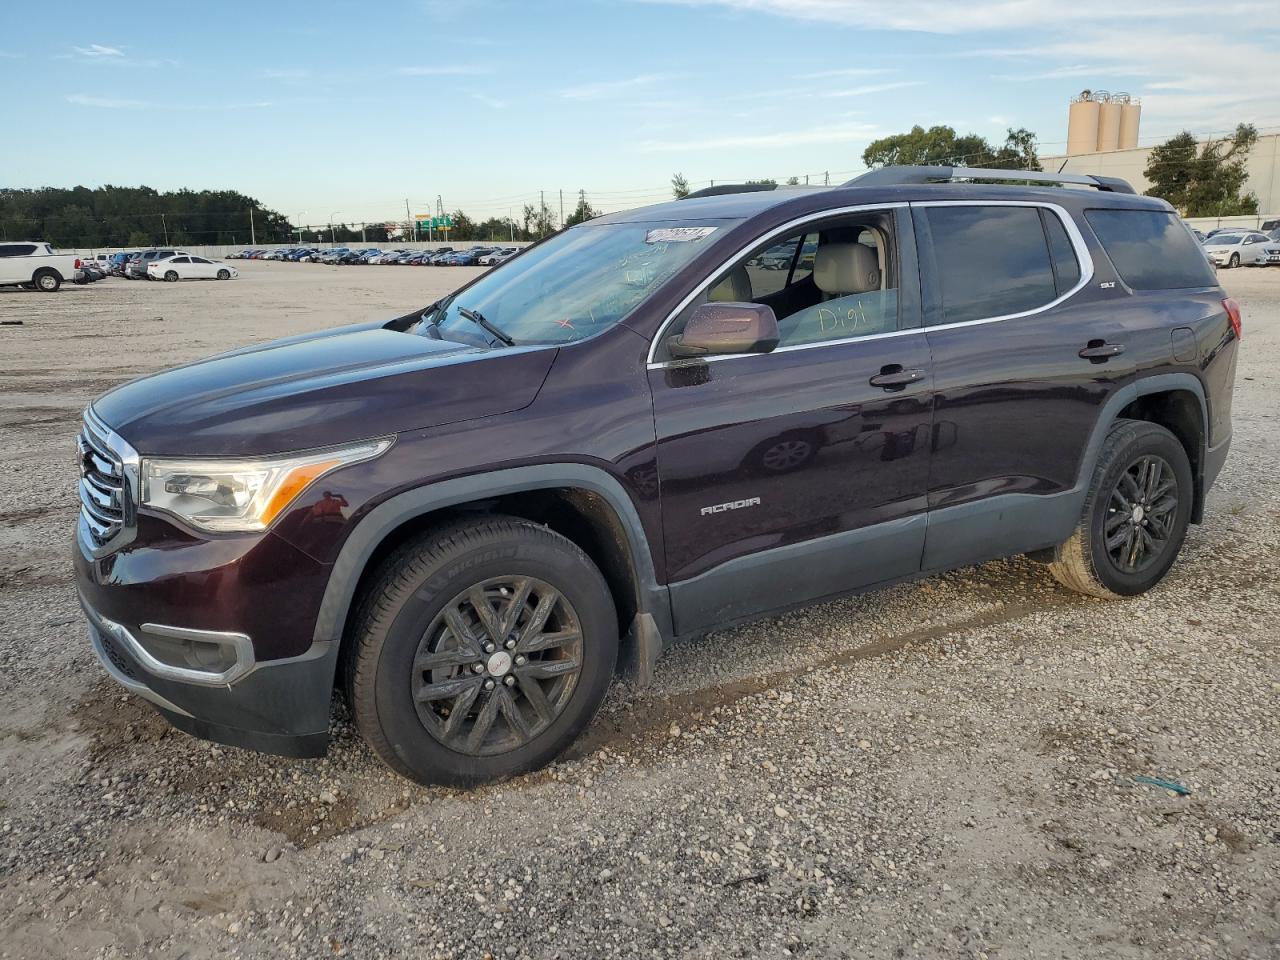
(1204, 181)
(943, 146)
(582, 212)
(679, 186)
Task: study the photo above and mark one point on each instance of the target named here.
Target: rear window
(1151, 250)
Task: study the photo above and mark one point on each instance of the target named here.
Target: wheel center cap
(1138, 514)
(499, 664)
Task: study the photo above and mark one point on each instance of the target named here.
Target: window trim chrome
(1078, 244)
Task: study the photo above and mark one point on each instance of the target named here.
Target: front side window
(576, 284)
(838, 281)
(990, 261)
(17, 249)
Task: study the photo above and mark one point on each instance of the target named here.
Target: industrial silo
(1130, 114)
(1082, 124)
(1109, 124)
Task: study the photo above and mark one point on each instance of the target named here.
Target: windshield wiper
(476, 317)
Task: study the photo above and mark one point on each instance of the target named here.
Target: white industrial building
(1102, 138)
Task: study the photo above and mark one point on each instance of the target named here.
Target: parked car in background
(439, 254)
(117, 262)
(335, 254)
(136, 269)
(189, 267)
(496, 256)
(1235, 249)
(35, 265)
(1270, 254)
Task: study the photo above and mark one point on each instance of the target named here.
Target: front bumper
(217, 635)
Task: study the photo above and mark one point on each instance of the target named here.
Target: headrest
(843, 268)
(735, 288)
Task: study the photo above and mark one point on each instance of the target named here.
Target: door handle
(1099, 351)
(893, 377)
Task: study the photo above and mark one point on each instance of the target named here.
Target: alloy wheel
(497, 665)
(1141, 514)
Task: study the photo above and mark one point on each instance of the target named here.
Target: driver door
(790, 476)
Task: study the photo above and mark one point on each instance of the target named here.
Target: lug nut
(478, 667)
(510, 644)
(521, 660)
(509, 680)
(488, 684)
(489, 648)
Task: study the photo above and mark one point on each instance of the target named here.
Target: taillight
(1233, 314)
(77, 263)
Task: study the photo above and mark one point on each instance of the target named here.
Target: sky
(345, 111)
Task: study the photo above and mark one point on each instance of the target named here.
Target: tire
(1084, 563)
(1234, 261)
(224, 274)
(47, 281)
(171, 276)
(407, 615)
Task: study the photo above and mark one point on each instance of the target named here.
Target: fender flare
(370, 531)
(1159, 383)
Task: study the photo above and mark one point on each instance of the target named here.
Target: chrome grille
(105, 505)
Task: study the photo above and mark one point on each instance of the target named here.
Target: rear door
(790, 476)
(202, 269)
(1024, 357)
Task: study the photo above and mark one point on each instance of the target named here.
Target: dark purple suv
(472, 517)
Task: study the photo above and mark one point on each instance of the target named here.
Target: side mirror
(724, 328)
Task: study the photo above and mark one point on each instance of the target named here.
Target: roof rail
(898, 175)
(724, 188)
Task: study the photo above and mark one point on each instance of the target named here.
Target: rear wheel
(47, 281)
(1135, 516)
(171, 276)
(482, 651)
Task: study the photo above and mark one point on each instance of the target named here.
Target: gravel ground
(943, 769)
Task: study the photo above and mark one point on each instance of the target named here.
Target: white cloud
(872, 88)
(98, 50)
(110, 103)
(489, 101)
(445, 70)
(855, 133)
(948, 16)
(844, 72)
(604, 89)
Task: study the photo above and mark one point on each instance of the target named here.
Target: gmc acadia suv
(471, 517)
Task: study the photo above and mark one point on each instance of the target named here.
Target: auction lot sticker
(678, 234)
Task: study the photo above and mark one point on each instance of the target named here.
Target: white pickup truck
(36, 266)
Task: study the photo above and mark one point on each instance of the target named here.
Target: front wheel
(1234, 261)
(481, 652)
(1135, 516)
(224, 274)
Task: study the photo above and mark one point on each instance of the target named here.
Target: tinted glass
(991, 261)
(580, 282)
(1151, 250)
(1066, 268)
(17, 249)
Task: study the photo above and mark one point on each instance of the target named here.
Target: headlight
(222, 496)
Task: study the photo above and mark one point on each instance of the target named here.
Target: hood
(332, 387)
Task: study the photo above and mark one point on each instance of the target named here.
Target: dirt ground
(943, 769)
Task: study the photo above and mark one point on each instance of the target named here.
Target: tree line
(1198, 180)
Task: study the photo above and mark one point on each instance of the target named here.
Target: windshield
(576, 284)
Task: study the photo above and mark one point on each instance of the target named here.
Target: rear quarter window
(1151, 249)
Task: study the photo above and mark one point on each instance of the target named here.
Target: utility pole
(411, 220)
(362, 236)
(562, 208)
(253, 237)
(826, 178)
(542, 213)
(166, 229)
